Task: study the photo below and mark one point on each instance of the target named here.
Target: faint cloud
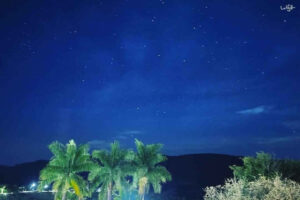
(294, 124)
(99, 144)
(128, 134)
(292, 110)
(202, 146)
(132, 132)
(121, 137)
(124, 135)
(276, 140)
(254, 111)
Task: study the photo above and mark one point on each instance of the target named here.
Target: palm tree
(148, 170)
(111, 171)
(64, 167)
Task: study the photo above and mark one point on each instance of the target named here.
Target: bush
(266, 165)
(262, 188)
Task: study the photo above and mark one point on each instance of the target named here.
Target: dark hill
(191, 173)
(21, 174)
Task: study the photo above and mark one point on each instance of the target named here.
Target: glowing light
(32, 186)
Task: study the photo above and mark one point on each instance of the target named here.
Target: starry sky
(199, 76)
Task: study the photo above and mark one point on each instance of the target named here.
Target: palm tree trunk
(141, 196)
(63, 196)
(109, 191)
(142, 187)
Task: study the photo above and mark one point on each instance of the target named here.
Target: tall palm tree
(112, 169)
(64, 167)
(148, 170)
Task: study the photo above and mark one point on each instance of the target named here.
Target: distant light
(46, 186)
(32, 185)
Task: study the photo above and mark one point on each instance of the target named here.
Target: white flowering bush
(262, 188)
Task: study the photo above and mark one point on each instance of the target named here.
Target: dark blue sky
(199, 76)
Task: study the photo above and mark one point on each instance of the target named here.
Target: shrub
(253, 167)
(266, 165)
(262, 188)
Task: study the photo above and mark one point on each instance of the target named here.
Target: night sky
(199, 76)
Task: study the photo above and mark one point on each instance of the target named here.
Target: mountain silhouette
(190, 174)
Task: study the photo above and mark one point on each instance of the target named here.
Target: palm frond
(58, 149)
